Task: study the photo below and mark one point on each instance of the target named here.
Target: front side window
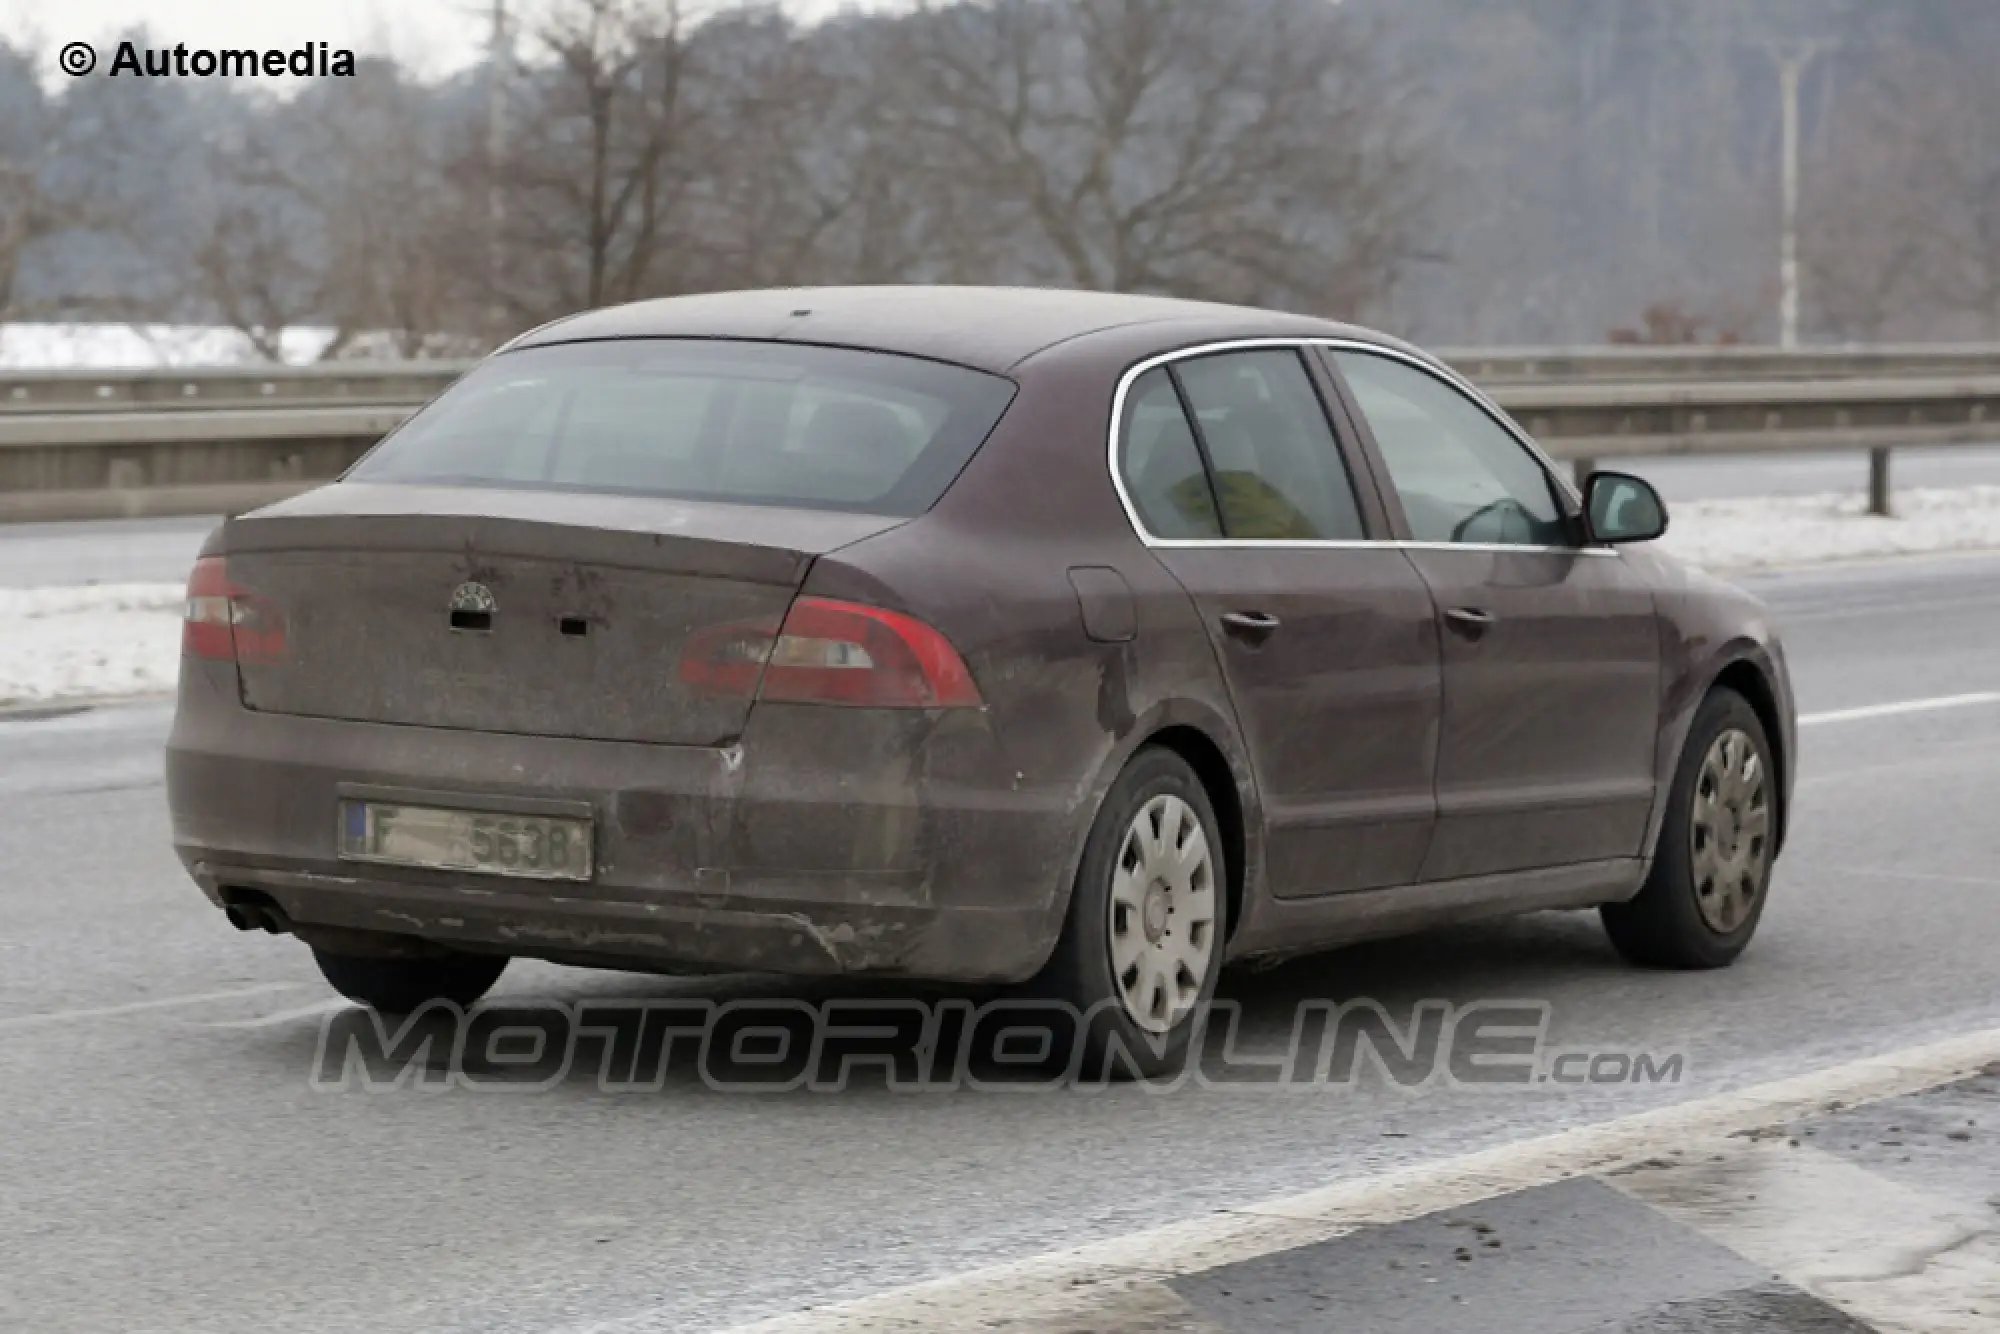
(1277, 468)
(754, 423)
(1462, 478)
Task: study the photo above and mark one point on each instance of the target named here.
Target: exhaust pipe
(253, 916)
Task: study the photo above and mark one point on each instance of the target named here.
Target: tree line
(1460, 170)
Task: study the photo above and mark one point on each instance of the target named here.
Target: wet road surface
(167, 1165)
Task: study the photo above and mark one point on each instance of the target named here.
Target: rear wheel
(400, 984)
(1142, 946)
(1711, 871)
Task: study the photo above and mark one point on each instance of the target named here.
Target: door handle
(1253, 627)
(1471, 622)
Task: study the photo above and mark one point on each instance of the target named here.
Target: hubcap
(1729, 831)
(1162, 914)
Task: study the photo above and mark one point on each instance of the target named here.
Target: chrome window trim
(1443, 373)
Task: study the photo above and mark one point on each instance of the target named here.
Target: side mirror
(1622, 508)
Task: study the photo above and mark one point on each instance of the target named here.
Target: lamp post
(498, 68)
(1792, 65)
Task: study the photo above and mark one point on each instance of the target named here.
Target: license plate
(531, 847)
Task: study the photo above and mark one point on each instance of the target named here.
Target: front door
(1329, 644)
(1551, 647)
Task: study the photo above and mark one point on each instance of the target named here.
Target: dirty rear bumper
(815, 939)
(825, 841)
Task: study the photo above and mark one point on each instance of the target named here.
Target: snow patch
(33, 347)
(76, 643)
(1757, 532)
(50, 347)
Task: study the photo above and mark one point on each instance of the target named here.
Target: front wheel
(1142, 946)
(1712, 868)
(399, 984)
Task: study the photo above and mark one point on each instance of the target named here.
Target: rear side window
(1162, 465)
(754, 423)
(1277, 468)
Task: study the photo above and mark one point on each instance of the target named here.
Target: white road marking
(1892, 607)
(1902, 1260)
(1885, 873)
(1901, 707)
(283, 1016)
(136, 1007)
(1069, 1285)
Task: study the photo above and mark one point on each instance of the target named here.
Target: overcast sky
(433, 36)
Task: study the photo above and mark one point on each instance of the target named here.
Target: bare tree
(340, 215)
(1901, 233)
(253, 268)
(53, 187)
(1864, 246)
(1252, 151)
(1949, 135)
(608, 153)
(777, 174)
(395, 220)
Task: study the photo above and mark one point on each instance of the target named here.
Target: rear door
(1328, 642)
(1551, 648)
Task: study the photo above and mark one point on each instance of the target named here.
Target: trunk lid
(531, 612)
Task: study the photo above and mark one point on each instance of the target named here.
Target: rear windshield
(755, 423)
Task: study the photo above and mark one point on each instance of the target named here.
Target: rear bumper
(826, 841)
(593, 930)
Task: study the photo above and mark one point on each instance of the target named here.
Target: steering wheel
(1503, 506)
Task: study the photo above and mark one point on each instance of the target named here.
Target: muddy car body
(1389, 725)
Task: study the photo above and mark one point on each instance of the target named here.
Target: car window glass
(1161, 465)
(1460, 475)
(1278, 471)
(758, 423)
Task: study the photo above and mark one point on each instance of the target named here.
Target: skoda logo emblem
(473, 597)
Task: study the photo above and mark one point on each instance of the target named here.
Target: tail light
(227, 622)
(726, 660)
(829, 652)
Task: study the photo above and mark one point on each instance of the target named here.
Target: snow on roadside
(103, 640)
(124, 639)
(30, 347)
(39, 347)
(1736, 535)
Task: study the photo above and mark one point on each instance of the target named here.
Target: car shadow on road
(574, 1034)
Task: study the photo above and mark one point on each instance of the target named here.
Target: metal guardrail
(1587, 421)
(372, 384)
(89, 444)
(1584, 423)
(413, 383)
(1630, 364)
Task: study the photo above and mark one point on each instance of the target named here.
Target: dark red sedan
(976, 635)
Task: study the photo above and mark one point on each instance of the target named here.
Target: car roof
(987, 328)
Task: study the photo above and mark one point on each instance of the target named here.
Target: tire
(401, 984)
(1142, 944)
(1712, 868)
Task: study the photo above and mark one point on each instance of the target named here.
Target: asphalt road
(161, 550)
(117, 551)
(166, 1164)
